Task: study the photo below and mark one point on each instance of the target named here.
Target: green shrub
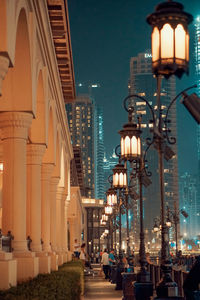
(66, 283)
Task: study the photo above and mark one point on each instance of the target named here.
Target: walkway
(97, 287)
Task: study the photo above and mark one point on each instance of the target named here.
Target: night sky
(105, 34)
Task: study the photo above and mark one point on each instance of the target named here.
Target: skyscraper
(197, 52)
(81, 124)
(189, 228)
(143, 83)
(95, 93)
(99, 153)
(197, 79)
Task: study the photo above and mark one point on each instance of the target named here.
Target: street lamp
(170, 56)
(131, 150)
(173, 217)
(111, 196)
(170, 39)
(120, 183)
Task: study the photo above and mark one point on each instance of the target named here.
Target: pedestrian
(111, 259)
(105, 263)
(76, 249)
(97, 257)
(83, 254)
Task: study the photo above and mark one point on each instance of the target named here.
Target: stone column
(69, 253)
(15, 127)
(4, 64)
(35, 153)
(59, 197)
(53, 190)
(46, 177)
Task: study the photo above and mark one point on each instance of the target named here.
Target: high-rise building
(99, 153)
(81, 124)
(143, 83)
(189, 227)
(95, 93)
(197, 79)
(197, 52)
(108, 165)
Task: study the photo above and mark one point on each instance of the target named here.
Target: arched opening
(17, 86)
(38, 128)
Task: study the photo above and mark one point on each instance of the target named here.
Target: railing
(180, 270)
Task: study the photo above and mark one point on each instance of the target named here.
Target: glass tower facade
(81, 123)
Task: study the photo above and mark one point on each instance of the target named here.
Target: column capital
(15, 124)
(35, 153)
(4, 65)
(47, 170)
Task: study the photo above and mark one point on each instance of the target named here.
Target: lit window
(140, 103)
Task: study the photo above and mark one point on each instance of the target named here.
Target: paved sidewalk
(97, 287)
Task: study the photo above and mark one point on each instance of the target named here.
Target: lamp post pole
(127, 224)
(120, 222)
(143, 275)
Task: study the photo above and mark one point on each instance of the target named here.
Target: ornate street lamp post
(170, 56)
(120, 183)
(173, 217)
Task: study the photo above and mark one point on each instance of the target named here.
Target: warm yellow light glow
(134, 145)
(187, 46)
(121, 180)
(125, 179)
(1, 166)
(180, 42)
(122, 146)
(139, 147)
(115, 179)
(167, 42)
(127, 148)
(155, 44)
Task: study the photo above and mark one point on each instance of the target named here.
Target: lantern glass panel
(134, 146)
(139, 146)
(187, 46)
(115, 179)
(114, 200)
(180, 38)
(122, 146)
(155, 44)
(167, 42)
(125, 180)
(121, 179)
(109, 199)
(127, 149)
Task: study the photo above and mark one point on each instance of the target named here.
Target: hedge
(66, 283)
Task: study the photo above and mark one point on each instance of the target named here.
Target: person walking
(76, 249)
(83, 254)
(105, 263)
(111, 259)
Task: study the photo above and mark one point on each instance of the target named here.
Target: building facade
(81, 125)
(143, 83)
(99, 152)
(36, 79)
(188, 187)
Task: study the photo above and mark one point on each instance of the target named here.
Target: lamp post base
(142, 290)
